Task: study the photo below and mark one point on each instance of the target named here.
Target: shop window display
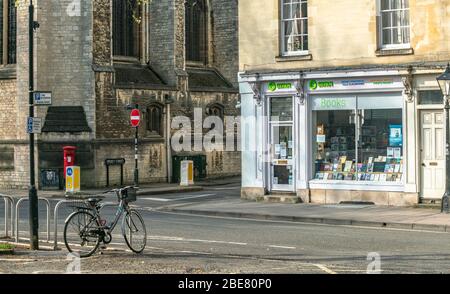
(358, 145)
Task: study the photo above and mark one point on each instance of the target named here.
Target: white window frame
(284, 52)
(381, 28)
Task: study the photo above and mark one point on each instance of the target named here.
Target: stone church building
(98, 57)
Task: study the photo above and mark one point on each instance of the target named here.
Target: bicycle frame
(121, 208)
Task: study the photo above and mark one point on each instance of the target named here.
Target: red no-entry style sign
(135, 118)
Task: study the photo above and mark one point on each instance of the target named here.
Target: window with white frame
(294, 27)
(394, 24)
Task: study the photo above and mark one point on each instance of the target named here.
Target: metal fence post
(9, 207)
(47, 203)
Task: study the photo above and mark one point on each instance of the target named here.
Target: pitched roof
(207, 78)
(62, 119)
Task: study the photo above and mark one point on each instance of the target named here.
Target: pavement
(144, 190)
(427, 219)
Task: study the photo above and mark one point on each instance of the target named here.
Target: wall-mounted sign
(274, 86)
(34, 125)
(42, 98)
(314, 85)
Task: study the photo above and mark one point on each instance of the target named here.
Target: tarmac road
(180, 243)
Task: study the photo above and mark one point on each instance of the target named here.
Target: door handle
(433, 163)
(424, 165)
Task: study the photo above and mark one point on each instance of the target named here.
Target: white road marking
(18, 259)
(282, 247)
(325, 269)
(176, 199)
(157, 199)
(181, 239)
(227, 188)
(194, 252)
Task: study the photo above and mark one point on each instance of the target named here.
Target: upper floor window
(294, 26)
(196, 29)
(155, 119)
(394, 28)
(8, 28)
(126, 28)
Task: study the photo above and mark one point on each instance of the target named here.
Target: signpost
(135, 119)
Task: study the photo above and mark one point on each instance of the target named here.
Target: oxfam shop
(358, 139)
(330, 140)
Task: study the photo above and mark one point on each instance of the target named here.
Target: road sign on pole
(42, 98)
(135, 118)
(34, 125)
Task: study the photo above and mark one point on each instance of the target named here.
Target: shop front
(333, 138)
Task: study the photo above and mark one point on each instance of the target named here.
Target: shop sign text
(332, 103)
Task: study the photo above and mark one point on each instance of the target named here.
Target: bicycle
(84, 229)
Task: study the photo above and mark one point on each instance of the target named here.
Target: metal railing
(21, 200)
(9, 214)
(56, 212)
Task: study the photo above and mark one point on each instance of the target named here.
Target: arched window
(155, 119)
(215, 109)
(8, 31)
(196, 30)
(126, 28)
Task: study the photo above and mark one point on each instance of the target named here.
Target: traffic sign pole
(135, 118)
(136, 166)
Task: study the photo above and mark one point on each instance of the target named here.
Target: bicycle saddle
(94, 201)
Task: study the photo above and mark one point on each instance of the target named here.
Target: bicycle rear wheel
(134, 231)
(81, 233)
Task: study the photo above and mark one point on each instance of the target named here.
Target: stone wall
(348, 40)
(64, 56)
(8, 113)
(162, 39)
(152, 165)
(225, 27)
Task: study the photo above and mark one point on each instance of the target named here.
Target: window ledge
(126, 59)
(393, 51)
(284, 58)
(8, 72)
(197, 64)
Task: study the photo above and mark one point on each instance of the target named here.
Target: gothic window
(196, 30)
(215, 109)
(8, 23)
(126, 28)
(155, 119)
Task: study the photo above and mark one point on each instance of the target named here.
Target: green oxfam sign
(272, 86)
(314, 85)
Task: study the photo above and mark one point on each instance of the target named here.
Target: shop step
(280, 198)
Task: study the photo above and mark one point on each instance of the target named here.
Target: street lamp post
(32, 192)
(444, 83)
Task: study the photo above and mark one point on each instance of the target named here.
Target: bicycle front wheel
(81, 233)
(134, 231)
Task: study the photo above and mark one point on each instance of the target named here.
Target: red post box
(69, 157)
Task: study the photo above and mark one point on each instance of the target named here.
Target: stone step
(280, 198)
